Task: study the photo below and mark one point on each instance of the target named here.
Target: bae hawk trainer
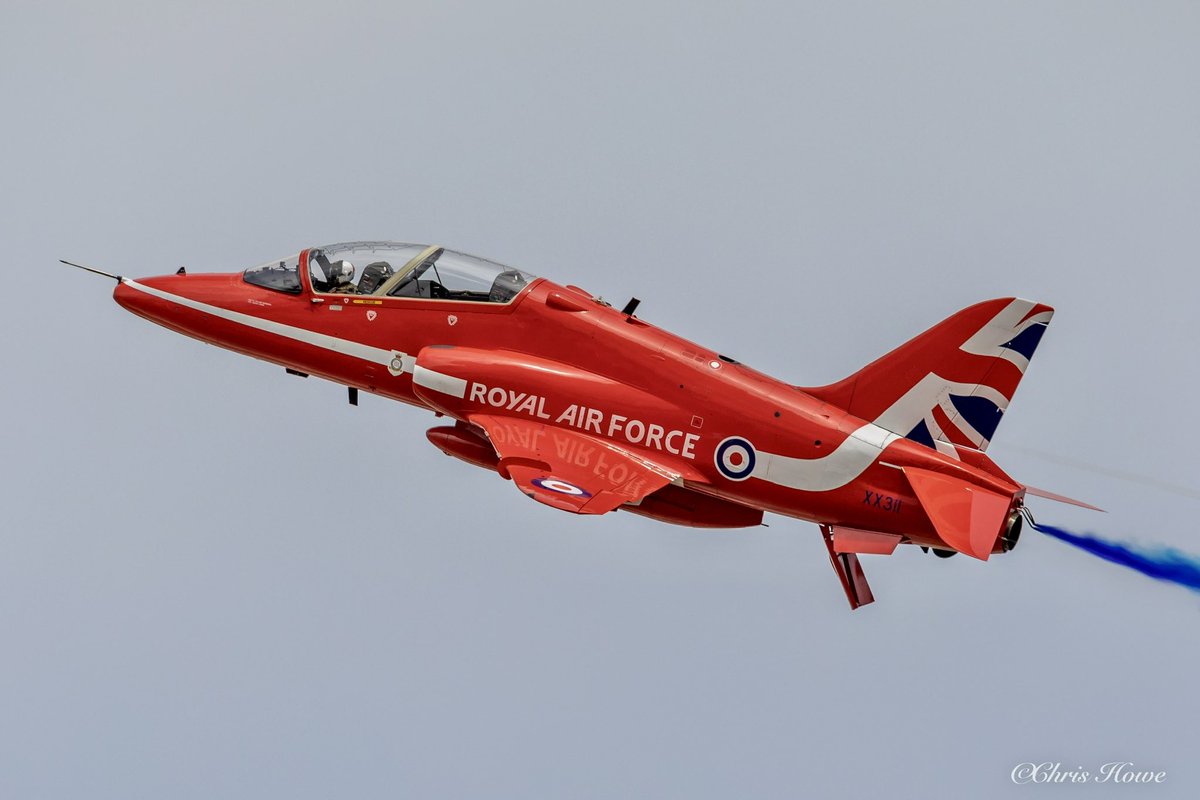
(589, 409)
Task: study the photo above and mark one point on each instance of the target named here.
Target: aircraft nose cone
(139, 297)
(178, 302)
(125, 296)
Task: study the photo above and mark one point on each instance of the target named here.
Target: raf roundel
(562, 487)
(735, 458)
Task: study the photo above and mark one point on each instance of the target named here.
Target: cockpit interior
(394, 269)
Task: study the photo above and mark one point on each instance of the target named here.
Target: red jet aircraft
(588, 409)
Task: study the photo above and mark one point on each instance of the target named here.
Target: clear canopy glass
(282, 275)
(399, 269)
(394, 269)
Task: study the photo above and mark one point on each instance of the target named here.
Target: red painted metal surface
(588, 408)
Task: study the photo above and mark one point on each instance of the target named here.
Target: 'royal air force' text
(586, 419)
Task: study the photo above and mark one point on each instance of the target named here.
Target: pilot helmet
(341, 272)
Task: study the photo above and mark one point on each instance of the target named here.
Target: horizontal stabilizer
(966, 517)
(1033, 490)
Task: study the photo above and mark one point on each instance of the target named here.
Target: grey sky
(220, 581)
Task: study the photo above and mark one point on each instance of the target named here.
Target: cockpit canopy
(395, 269)
(282, 275)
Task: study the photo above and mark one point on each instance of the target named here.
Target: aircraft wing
(569, 470)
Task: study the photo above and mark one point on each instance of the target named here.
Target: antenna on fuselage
(116, 278)
(631, 306)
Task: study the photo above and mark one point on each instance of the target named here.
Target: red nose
(162, 299)
(127, 297)
(193, 305)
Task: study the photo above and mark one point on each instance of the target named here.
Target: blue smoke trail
(1160, 563)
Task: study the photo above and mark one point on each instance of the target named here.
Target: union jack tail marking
(948, 387)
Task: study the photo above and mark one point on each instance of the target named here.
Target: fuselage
(733, 432)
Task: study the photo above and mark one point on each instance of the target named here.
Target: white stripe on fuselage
(849, 460)
(376, 355)
(439, 382)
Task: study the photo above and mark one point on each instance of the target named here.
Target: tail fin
(952, 384)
